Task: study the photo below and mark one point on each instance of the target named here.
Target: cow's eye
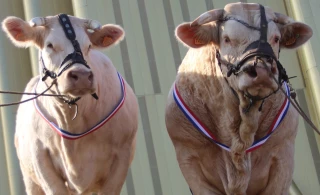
(50, 45)
(226, 39)
(89, 47)
(276, 39)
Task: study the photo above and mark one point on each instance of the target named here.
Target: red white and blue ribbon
(73, 136)
(207, 133)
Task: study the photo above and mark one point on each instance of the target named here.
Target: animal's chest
(214, 165)
(80, 164)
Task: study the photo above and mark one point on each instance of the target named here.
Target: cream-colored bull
(97, 162)
(208, 92)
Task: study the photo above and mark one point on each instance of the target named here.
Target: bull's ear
(21, 33)
(196, 36)
(106, 36)
(294, 34)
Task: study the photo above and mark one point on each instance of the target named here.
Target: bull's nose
(251, 71)
(80, 76)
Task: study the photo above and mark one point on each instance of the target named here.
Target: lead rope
(294, 103)
(35, 97)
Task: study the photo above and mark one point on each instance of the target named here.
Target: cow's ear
(106, 36)
(294, 34)
(196, 36)
(21, 33)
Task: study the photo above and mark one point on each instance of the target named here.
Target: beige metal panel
(176, 179)
(304, 175)
(15, 73)
(196, 8)
(35, 8)
(136, 46)
(4, 180)
(159, 141)
(178, 19)
(161, 43)
(140, 166)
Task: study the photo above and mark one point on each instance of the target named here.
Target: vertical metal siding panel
(310, 134)
(161, 43)
(35, 8)
(4, 179)
(158, 141)
(15, 73)
(149, 45)
(123, 45)
(312, 18)
(176, 179)
(304, 171)
(171, 28)
(140, 51)
(180, 15)
(132, 42)
(315, 7)
(140, 166)
(150, 145)
(196, 8)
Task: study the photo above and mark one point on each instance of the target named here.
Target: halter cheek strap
(73, 58)
(259, 48)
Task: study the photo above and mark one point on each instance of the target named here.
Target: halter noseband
(72, 58)
(259, 49)
(69, 60)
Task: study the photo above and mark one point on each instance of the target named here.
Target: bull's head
(235, 32)
(73, 67)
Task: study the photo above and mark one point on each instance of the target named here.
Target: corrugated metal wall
(148, 58)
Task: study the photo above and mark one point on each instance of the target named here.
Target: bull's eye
(276, 39)
(226, 39)
(50, 45)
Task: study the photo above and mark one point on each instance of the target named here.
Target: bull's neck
(90, 110)
(207, 92)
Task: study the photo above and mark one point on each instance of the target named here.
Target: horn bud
(93, 24)
(37, 21)
(208, 16)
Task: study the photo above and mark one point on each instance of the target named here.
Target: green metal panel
(15, 72)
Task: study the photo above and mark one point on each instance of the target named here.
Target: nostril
(90, 77)
(73, 76)
(270, 60)
(251, 71)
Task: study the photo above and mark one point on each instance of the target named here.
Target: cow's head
(49, 37)
(233, 31)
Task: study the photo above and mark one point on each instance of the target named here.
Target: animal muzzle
(79, 81)
(260, 72)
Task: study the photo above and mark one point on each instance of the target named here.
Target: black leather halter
(259, 49)
(72, 58)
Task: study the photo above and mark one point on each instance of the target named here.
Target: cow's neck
(202, 85)
(90, 111)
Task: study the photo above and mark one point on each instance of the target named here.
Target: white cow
(225, 103)
(60, 155)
